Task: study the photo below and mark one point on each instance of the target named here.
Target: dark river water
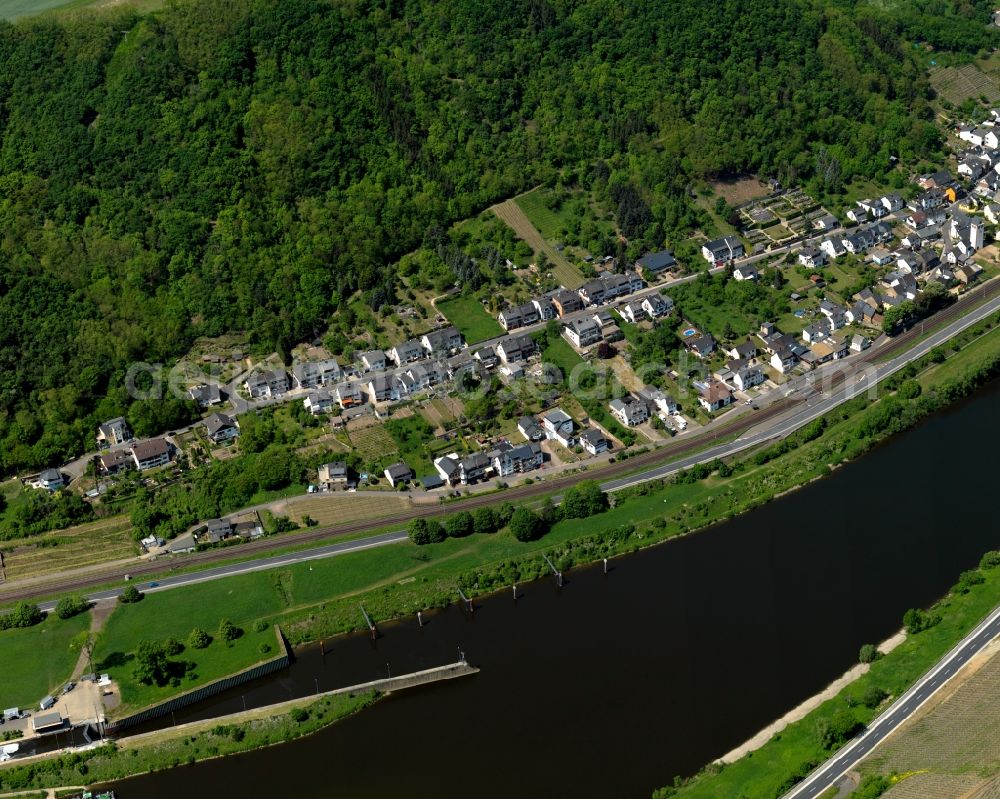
(617, 683)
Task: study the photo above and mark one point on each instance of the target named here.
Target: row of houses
(561, 302)
(855, 242)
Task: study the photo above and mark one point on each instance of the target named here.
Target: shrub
(583, 500)
(24, 614)
(526, 525)
(299, 714)
(459, 525)
(260, 625)
(70, 606)
(916, 620)
(990, 560)
(173, 647)
(199, 639)
(485, 520)
(873, 696)
(968, 579)
(228, 631)
(130, 595)
(869, 654)
(425, 531)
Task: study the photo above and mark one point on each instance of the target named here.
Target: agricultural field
(38, 660)
(741, 190)
(373, 442)
(952, 748)
(441, 412)
(73, 548)
(468, 315)
(966, 82)
(341, 507)
(563, 271)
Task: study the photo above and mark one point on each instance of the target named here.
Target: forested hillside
(247, 164)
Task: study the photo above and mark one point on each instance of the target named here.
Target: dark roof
(152, 448)
(432, 481)
(399, 471)
(657, 261)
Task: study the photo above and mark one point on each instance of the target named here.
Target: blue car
(153, 585)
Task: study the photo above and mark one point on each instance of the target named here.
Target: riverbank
(197, 741)
(790, 755)
(805, 708)
(320, 599)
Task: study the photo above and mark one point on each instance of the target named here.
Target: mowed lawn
(242, 599)
(36, 661)
(561, 354)
(468, 315)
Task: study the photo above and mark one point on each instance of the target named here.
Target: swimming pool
(689, 332)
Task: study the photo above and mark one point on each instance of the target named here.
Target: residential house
(529, 428)
(349, 394)
(829, 350)
(881, 257)
(215, 531)
(654, 264)
(205, 394)
(857, 214)
(657, 305)
(826, 222)
(115, 461)
(113, 432)
(632, 311)
(404, 384)
(743, 350)
(605, 320)
(447, 467)
(748, 377)
(273, 383)
(507, 459)
(398, 474)
(662, 404)
(558, 426)
(487, 357)
(917, 220)
(784, 360)
(407, 352)
(517, 316)
(381, 388)
(723, 250)
(472, 468)
(747, 272)
(861, 313)
(313, 374)
(834, 248)
(873, 208)
(543, 305)
(892, 203)
(859, 343)
(835, 313)
(515, 348)
(442, 342)
(150, 453)
(968, 272)
(373, 361)
(50, 480)
(594, 441)
(630, 412)
(318, 402)
(812, 257)
(461, 363)
(933, 198)
(815, 332)
(701, 346)
(583, 332)
(714, 396)
(220, 428)
(565, 302)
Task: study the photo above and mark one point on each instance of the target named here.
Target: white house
(558, 426)
(748, 272)
(630, 413)
(594, 441)
(748, 377)
(318, 402)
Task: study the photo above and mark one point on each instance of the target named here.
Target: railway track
(653, 457)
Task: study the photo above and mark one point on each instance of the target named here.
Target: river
(618, 682)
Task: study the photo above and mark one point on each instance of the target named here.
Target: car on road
(154, 585)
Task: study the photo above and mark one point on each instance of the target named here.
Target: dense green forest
(246, 165)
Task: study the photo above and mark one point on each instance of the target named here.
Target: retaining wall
(281, 661)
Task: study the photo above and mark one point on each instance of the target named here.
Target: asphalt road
(903, 708)
(788, 415)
